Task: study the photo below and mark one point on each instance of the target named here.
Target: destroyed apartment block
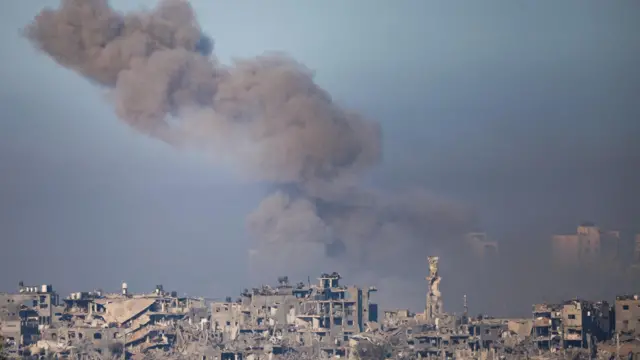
(297, 321)
(323, 317)
(571, 324)
(106, 322)
(263, 322)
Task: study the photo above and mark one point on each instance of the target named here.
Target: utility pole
(617, 345)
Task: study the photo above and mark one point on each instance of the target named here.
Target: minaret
(433, 308)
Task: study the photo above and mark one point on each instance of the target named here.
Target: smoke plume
(271, 119)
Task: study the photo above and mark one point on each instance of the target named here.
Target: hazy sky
(525, 110)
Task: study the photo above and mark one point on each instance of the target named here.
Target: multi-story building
(24, 314)
(627, 314)
(327, 313)
(547, 319)
(589, 245)
(573, 323)
(584, 322)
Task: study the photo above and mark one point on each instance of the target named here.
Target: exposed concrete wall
(627, 312)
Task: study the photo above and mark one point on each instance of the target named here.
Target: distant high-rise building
(588, 246)
(610, 245)
(565, 250)
(636, 251)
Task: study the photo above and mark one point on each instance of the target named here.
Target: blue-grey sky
(523, 109)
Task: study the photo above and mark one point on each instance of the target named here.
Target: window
(228, 323)
(97, 336)
(572, 316)
(625, 307)
(350, 323)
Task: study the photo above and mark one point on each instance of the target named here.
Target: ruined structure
(24, 314)
(34, 320)
(572, 324)
(433, 309)
(436, 333)
(312, 319)
(301, 321)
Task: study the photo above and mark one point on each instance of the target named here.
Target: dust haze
(264, 118)
(276, 125)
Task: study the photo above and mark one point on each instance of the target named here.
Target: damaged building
(25, 314)
(571, 324)
(34, 320)
(263, 322)
(436, 333)
(304, 320)
(319, 317)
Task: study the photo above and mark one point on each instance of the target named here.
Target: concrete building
(588, 246)
(327, 314)
(546, 330)
(584, 322)
(25, 314)
(627, 314)
(571, 324)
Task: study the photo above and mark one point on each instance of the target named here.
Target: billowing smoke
(268, 117)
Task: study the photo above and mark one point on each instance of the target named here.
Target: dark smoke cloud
(264, 116)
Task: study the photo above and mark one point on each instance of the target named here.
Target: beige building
(565, 250)
(326, 314)
(627, 310)
(589, 245)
